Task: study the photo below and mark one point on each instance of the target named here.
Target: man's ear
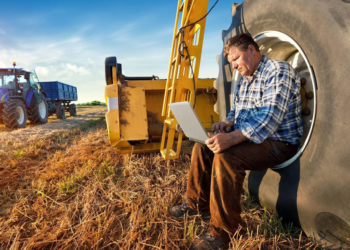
(251, 49)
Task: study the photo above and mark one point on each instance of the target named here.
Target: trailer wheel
(38, 114)
(60, 112)
(14, 114)
(72, 110)
(314, 35)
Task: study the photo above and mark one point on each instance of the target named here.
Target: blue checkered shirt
(269, 105)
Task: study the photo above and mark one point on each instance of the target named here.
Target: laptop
(189, 122)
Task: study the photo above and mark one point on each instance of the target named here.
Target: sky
(68, 41)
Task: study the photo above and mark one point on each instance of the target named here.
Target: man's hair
(241, 42)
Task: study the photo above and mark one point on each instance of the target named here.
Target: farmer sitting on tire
(261, 131)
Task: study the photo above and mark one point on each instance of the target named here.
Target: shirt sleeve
(231, 116)
(275, 97)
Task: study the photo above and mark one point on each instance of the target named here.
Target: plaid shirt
(269, 106)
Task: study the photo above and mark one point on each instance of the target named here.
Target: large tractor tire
(38, 114)
(60, 112)
(72, 110)
(14, 114)
(313, 188)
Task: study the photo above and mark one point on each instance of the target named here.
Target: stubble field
(65, 187)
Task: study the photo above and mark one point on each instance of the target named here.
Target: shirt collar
(261, 66)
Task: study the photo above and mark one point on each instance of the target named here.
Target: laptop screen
(189, 122)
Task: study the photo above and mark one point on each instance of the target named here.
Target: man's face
(243, 61)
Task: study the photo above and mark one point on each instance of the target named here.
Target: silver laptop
(189, 122)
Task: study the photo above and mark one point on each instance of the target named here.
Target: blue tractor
(21, 98)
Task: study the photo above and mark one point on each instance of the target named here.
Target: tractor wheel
(313, 189)
(14, 114)
(38, 114)
(72, 110)
(60, 112)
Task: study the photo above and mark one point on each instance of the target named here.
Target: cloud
(64, 42)
(76, 69)
(42, 71)
(92, 62)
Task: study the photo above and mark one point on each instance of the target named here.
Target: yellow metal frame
(154, 96)
(147, 125)
(112, 115)
(126, 116)
(179, 86)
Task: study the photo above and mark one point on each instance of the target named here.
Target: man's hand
(220, 127)
(222, 141)
(218, 142)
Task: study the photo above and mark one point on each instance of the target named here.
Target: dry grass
(72, 191)
(81, 111)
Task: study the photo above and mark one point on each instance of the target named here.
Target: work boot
(208, 242)
(181, 210)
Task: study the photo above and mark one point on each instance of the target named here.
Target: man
(261, 131)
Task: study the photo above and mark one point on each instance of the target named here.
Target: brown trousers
(216, 180)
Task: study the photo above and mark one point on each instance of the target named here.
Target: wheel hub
(19, 115)
(279, 46)
(42, 109)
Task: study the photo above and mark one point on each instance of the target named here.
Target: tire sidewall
(60, 112)
(63, 114)
(72, 110)
(34, 111)
(10, 118)
(319, 29)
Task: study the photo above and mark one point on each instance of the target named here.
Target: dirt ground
(9, 137)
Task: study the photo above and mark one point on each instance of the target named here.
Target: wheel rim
(42, 109)
(279, 46)
(20, 115)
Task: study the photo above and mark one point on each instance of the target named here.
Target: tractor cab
(33, 80)
(18, 81)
